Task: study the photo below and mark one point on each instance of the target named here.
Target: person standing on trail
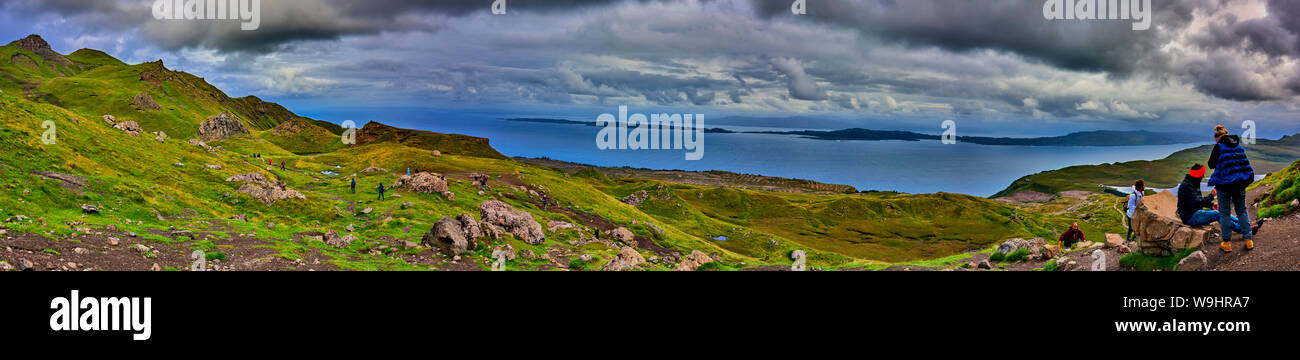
(1070, 237)
(1192, 206)
(354, 185)
(1139, 190)
(408, 171)
(1232, 174)
(281, 164)
(381, 191)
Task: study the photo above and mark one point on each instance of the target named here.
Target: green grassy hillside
(1266, 156)
(147, 187)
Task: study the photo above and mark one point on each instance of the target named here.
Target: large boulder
(421, 182)
(270, 193)
(624, 235)
(472, 230)
(221, 126)
(1036, 247)
(448, 235)
(517, 222)
(693, 261)
(627, 259)
(1160, 232)
(129, 127)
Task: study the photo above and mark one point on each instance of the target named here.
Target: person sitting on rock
(1139, 190)
(1192, 207)
(1072, 236)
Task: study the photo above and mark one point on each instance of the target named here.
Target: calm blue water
(906, 166)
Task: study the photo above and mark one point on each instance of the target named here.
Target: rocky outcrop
(627, 259)
(693, 261)
(1037, 248)
(221, 126)
(144, 102)
(373, 169)
(624, 235)
(559, 225)
(37, 45)
(333, 238)
(453, 237)
(270, 193)
(422, 182)
(1158, 230)
(636, 198)
(256, 178)
(517, 222)
(129, 127)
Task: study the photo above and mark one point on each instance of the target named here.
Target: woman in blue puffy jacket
(1232, 174)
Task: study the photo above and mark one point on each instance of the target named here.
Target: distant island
(1082, 138)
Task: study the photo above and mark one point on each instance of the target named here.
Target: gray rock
(1194, 262)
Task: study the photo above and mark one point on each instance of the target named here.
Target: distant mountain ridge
(1082, 138)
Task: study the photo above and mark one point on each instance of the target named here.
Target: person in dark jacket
(1192, 207)
(1071, 236)
(1232, 174)
(381, 191)
(354, 185)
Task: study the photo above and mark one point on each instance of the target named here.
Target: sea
(903, 166)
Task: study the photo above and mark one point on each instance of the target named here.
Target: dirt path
(1277, 246)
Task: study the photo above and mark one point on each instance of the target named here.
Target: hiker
(281, 164)
(1192, 206)
(381, 191)
(1232, 174)
(408, 171)
(1139, 190)
(1070, 237)
(546, 201)
(354, 185)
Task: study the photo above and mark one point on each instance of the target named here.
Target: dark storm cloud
(1015, 26)
(286, 21)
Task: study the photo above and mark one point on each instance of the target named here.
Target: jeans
(1203, 217)
(1229, 200)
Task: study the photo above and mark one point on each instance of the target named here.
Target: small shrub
(1143, 262)
(215, 256)
(997, 256)
(50, 251)
(1018, 255)
(1273, 212)
(1050, 266)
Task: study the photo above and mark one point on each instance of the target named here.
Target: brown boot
(1225, 246)
(1250, 244)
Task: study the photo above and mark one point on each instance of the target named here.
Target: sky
(998, 65)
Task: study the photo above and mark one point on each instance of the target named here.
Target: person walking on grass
(1139, 190)
(381, 191)
(1232, 174)
(354, 185)
(1071, 236)
(281, 164)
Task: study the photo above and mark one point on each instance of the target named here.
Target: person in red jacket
(1070, 237)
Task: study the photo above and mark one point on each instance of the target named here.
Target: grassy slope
(131, 177)
(1266, 156)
